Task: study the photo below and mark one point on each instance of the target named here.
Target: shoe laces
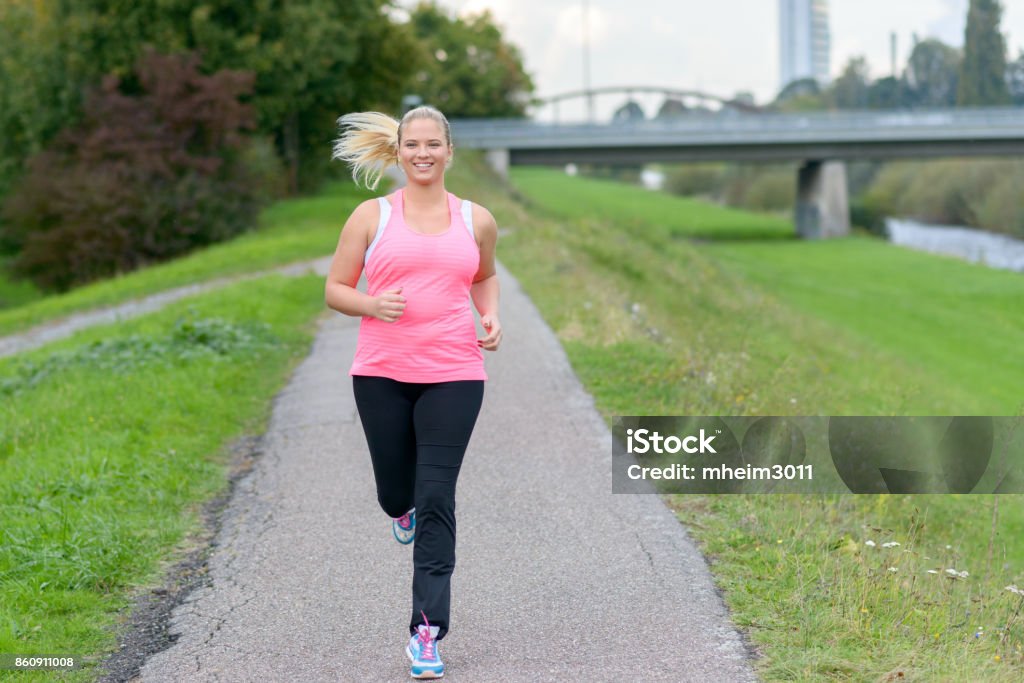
(404, 521)
(426, 639)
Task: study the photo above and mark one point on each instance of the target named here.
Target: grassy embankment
(747, 321)
(653, 324)
(288, 231)
(108, 451)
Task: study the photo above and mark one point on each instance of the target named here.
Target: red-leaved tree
(146, 176)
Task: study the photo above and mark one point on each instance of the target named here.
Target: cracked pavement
(556, 578)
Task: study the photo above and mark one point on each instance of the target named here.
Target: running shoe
(404, 527)
(422, 650)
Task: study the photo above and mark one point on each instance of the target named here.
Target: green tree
(144, 178)
(671, 108)
(983, 71)
(630, 111)
(313, 61)
(800, 95)
(36, 97)
(886, 93)
(465, 67)
(1015, 79)
(932, 74)
(850, 90)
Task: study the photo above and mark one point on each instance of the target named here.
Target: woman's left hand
(493, 328)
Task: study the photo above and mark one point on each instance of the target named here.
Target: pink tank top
(435, 338)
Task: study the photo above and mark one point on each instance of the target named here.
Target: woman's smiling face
(423, 151)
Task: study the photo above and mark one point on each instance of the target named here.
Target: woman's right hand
(389, 305)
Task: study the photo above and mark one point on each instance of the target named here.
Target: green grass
(746, 321)
(108, 451)
(702, 339)
(963, 322)
(821, 604)
(288, 231)
(680, 217)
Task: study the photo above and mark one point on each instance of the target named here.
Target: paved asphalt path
(68, 325)
(556, 578)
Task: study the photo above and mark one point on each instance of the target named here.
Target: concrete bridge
(820, 141)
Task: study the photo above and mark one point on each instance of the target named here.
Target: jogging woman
(418, 373)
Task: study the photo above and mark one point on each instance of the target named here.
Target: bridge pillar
(497, 159)
(822, 205)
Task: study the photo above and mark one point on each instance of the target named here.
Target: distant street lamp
(586, 61)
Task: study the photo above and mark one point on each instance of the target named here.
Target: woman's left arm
(484, 290)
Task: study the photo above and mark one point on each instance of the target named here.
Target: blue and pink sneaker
(422, 650)
(404, 527)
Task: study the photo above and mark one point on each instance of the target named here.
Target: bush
(146, 177)
(865, 215)
(623, 173)
(264, 166)
(694, 179)
(980, 193)
(890, 186)
(1003, 207)
(771, 190)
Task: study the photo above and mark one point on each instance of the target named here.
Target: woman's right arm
(340, 291)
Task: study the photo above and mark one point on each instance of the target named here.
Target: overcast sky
(720, 47)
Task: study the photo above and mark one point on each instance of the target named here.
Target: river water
(987, 248)
(978, 246)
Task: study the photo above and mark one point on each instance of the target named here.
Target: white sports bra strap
(467, 217)
(385, 216)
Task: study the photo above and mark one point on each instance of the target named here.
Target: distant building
(804, 41)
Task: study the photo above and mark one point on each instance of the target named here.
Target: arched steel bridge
(629, 90)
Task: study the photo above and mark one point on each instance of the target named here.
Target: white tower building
(804, 41)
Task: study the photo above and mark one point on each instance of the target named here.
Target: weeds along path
(64, 327)
(557, 579)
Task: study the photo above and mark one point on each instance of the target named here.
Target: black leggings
(417, 435)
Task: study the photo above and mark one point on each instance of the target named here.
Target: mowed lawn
(287, 231)
(667, 305)
(962, 322)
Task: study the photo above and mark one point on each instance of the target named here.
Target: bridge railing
(1003, 118)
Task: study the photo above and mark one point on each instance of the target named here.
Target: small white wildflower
(792, 400)
(932, 571)
(893, 569)
(1013, 589)
(870, 544)
(890, 544)
(952, 572)
(964, 575)
(949, 547)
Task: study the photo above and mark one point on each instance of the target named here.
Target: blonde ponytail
(369, 143)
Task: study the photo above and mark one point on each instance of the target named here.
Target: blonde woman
(418, 373)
